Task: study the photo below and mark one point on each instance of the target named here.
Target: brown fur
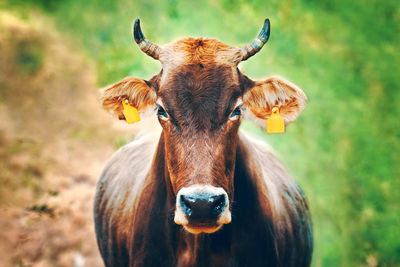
(199, 87)
(134, 220)
(200, 50)
(275, 91)
(135, 90)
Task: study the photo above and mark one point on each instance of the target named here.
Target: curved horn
(145, 45)
(255, 46)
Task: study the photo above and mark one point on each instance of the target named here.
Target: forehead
(201, 51)
(199, 83)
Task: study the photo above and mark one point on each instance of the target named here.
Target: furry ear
(263, 95)
(137, 91)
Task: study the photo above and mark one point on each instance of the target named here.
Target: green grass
(343, 150)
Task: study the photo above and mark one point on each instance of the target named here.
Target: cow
(201, 192)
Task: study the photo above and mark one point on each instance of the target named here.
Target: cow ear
(263, 95)
(137, 91)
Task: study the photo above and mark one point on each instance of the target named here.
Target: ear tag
(275, 123)
(131, 114)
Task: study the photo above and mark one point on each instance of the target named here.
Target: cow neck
(204, 249)
(253, 225)
(218, 249)
(231, 245)
(154, 229)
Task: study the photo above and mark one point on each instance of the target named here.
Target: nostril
(186, 204)
(187, 201)
(218, 204)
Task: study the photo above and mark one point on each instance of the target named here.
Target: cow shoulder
(271, 177)
(260, 156)
(281, 199)
(129, 165)
(117, 194)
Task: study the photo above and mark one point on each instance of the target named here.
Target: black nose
(202, 208)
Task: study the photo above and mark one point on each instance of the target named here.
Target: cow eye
(237, 112)
(162, 113)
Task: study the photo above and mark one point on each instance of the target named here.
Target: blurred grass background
(343, 149)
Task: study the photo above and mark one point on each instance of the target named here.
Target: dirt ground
(54, 142)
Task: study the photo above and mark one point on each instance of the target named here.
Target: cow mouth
(202, 228)
(208, 227)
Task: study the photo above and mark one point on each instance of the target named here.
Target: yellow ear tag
(275, 123)
(131, 114)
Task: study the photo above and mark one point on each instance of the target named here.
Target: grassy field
(344, 148)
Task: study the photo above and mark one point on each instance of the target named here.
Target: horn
(252, 48)
(145, 45)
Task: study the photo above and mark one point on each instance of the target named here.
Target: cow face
(200, 97)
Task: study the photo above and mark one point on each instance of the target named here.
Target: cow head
(201, 97)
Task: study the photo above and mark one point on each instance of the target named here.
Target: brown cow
(202, 193)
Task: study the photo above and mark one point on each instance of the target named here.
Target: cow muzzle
(202, 208)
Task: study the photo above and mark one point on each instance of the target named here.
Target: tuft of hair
(136, 91)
